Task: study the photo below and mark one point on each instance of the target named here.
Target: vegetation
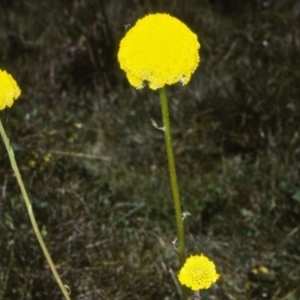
(95, 167)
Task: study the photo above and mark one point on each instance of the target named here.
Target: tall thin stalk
(173, 178)
(37, 232)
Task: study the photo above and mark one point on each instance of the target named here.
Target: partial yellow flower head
(198, 273)
(160, 50)
(9, 90)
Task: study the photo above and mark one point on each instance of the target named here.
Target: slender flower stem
(30, 211)
(173, 176)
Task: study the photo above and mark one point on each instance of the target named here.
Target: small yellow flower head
(160, 50)
(9, 90)
(198, 273)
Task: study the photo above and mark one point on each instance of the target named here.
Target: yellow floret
(9, 90)
(159, 49)
(198, 273)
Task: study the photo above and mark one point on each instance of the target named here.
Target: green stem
(173, 177)
(30, 211)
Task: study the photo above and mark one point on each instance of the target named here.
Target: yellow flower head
(9, 90)
(160, 50)
(198, 273)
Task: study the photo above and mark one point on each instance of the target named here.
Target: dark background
(95, 168)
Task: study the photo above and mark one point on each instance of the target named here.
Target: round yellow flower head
(9, 90)
(160, 50)
(198, 273)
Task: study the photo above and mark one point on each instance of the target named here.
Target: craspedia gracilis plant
(198, 273)
(9, 90)
(159, 49)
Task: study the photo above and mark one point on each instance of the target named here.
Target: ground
(95, 167)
